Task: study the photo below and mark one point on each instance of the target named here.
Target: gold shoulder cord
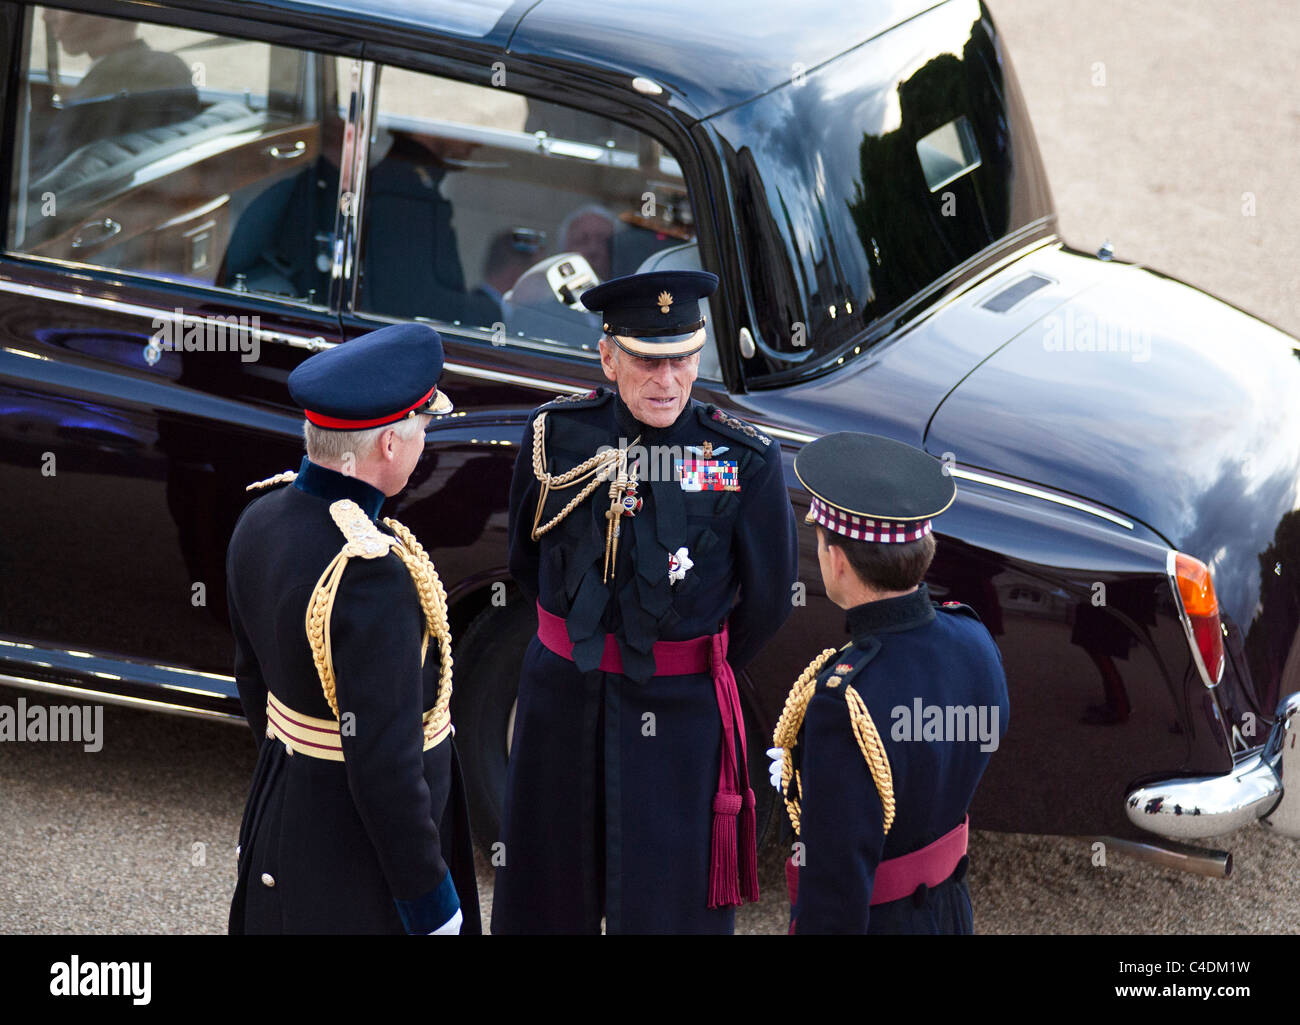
(366, 541)
(786, 735)
(279, 478)
(596, 470)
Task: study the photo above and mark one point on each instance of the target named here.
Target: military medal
(707, 474)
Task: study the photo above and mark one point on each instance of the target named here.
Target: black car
(202, 193)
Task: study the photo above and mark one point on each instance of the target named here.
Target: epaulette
(957, 608)
(279, 478)
(848, 662)
(734, 426)
(363, 539)
(582, 400)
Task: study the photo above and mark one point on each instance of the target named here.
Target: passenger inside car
(510, 253)
(410, 261)
(130, 87)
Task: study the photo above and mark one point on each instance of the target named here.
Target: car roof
(711, 55)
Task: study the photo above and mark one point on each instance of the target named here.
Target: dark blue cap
(376, 379)
(656, 315)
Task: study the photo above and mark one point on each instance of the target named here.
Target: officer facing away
(356, 819)
(882, 744)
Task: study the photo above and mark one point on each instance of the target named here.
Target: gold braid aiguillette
(366, 541)
(786, 735)
(594, 471)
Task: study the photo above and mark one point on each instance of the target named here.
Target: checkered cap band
(859, 528)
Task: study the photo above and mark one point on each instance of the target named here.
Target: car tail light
(1199, 610)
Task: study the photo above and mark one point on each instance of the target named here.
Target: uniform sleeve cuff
(424, 914)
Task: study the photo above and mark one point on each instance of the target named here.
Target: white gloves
(777, 754)
(451, 927)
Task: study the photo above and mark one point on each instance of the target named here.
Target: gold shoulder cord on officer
(279, 478)
(599, 468)
(786, 735)
(366, 541)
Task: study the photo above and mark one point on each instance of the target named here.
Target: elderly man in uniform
(355, 822)
(882, 744)
(657, 538)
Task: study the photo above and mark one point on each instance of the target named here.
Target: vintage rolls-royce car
(201, 193)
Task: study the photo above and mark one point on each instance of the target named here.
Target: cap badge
(665, 301)
(678, 563)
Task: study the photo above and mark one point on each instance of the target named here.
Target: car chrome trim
(126, 701)
(781, 432)
(1046, 496)
(345, 272)
(1282, 751)
(979, 478)
(1171, 570)
(504, 377)
(1253, 791)
(313, 343)
(1188, 809)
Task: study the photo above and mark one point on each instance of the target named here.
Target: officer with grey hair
(356, 819)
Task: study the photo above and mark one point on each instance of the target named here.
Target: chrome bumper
(1255, 790)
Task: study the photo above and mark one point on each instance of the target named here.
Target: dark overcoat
(363, 845)
(611, 779)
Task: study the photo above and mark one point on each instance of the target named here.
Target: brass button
(268, 879)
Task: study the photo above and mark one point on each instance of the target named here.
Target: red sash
(899, 877)
(729, 876)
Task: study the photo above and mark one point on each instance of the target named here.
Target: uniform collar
(331, 485)
(631, 427)
(890, 615)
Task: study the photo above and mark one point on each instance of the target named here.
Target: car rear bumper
(1255, 790)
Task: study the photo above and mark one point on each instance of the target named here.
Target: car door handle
(92, 233)
(293, 153)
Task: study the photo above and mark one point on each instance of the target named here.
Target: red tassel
(723, 890)
(748, 850)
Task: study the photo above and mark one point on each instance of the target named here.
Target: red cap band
(336, 423)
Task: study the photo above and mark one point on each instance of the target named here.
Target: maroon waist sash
(729, 876)
(899, 877)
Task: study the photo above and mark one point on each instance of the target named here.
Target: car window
(494, 211)
(170, 152)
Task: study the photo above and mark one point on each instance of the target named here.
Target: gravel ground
(1200, 105)
(105, 843)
